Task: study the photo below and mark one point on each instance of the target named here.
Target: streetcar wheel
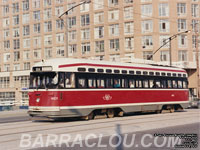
(120, 114)
(172, 109)
(90, 116)
(110, 113)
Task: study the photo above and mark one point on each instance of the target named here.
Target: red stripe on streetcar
(116, 66)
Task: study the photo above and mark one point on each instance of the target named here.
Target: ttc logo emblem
(107, 97)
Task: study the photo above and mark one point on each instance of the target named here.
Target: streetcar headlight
(37, 100)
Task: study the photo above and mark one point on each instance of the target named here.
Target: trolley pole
(197, 58)
(66, 31)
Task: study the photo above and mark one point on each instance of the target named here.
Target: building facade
(114, 30)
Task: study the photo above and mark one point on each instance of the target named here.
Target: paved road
(37, 134)
(145, 140)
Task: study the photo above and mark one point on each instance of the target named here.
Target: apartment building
(114, 30)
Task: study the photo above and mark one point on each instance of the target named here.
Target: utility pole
(197, 58)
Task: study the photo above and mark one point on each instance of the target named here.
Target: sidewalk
(13, 113)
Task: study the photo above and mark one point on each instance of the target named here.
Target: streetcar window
(163, 74)
(155, 84)
(174, 83)
(138, 72)
(69, 80)
(81, 83)
(125, 83)
(116, 71)
(92, 83)
(99, 70)
(163, 84)
(145, 72)
(100, 83)
(157, 73)
(138, 84)
(151, 73)
(179, 75)
(108, 70)
(174, 74)
(169, 84)
(185, 84)
(180, 85)
(82, 69)
(131, 72)
(145, 83)
(169, 74)
(91, 70)
(131, 83)
(117, 83)
(61, 83)
(124, 71)
(109, 83)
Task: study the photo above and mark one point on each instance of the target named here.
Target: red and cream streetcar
(84, 88)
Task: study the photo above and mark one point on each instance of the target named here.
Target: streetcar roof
(72, 65)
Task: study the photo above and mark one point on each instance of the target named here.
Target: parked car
(194, 103)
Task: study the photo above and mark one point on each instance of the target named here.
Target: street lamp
(166, 42)
(66, 13)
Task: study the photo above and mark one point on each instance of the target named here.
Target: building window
(128, 12)
(6, 44)
(182, 55)
(26, 43)
(59, 24)
(85, 34)
(60, 51)
(36, 28)
(128, 1)
(98, 4)
(114, 30)
(147, 26)
(16, 32)
(181, 9)
(182, 26)
(16, 44)
(115, 57)
(72, 49)
(164, 25)
(72, 35)
(16, 20)
(16, 67)
(6, 22)
(147, 41)
(6, 67)
(128, 28)
(47, 3)
(26, 55)
(60, 38)
(99, 32)
(85, 7)
(15, 7)
(47, 14)
(47, 26)
(25, 5)
(26, 30)
(164, 56)
(16, 56)
(48, 53)
(85, 20)
(85, 47)
(129, 43)
(148, 55)
(59, 10)
(5, 10)
(195, 23)
(182, 41)
(25, 18)
(113, 2)
(59, 1)
(27, 66)
(69, 6)
(98, 18)
(71, 22)
(6, 57)
(163, 41)
(146, 10)
(113, 15)
(36, 15)
(47, 40)
(114, 44)
(99, 46)
(6, 34)
(37, 54)
(163, 10)
(195, 10)
(4, 83)
(36, 42)
(36, 3)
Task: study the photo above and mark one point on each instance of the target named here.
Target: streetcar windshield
(51, 80)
